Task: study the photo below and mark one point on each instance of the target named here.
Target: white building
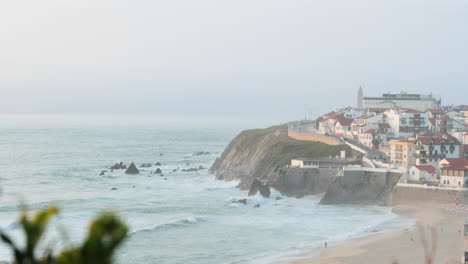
(422, 173)
(304, 163)
(419, 102)
(432, 149)
(454, 172)
(407, 122)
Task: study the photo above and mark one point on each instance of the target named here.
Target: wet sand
(433, 222)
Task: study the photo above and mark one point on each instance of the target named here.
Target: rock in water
(257, 206)
(132, 169)
(258, 186)
(158, 171)
(157, 164)
(242, 201)
(102, 173)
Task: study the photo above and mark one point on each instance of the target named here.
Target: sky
(252, 59)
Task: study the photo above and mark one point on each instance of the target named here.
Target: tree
(105, 234)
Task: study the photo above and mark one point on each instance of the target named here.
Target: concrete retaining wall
(304, 181)
(416, 194)
(314, 137)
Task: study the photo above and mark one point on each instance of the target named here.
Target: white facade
(403, 100)
(416, 174)
(406, 123)
(452, 181)
(298, 163)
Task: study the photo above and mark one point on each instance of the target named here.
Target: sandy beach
(404, 246)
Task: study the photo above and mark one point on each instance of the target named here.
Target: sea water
(182, 217)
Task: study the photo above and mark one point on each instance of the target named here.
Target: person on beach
(326, 244)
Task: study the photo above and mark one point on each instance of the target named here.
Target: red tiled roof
(435, 111)
(371, 131)
(344, 121)
(444, 118)
(329, 114)
(456, 164)
(412, 111)
(427, 168)
(437, 139)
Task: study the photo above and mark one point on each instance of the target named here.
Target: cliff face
(260, 153)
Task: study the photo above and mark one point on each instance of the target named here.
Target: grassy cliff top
(266, 150)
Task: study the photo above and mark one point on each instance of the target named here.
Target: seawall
(299, 182)
(405, 194)
(361, 187)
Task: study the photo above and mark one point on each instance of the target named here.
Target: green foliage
(105, 234)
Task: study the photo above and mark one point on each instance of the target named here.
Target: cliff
(261, 153)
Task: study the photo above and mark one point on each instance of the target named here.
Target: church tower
(360, 98)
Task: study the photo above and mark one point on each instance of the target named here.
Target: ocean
(182, 217)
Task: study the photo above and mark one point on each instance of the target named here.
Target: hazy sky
(248, 58)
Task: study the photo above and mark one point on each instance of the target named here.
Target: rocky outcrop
(257, 186)
(119, 166)
(363, 187)
(158, 171)
(200, 153)
(261, 153)
(132, 169)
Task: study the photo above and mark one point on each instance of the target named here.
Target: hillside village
(411, 133)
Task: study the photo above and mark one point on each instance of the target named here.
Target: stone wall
(361, 187)
(403, 194)
(304, 181)
(314, 137)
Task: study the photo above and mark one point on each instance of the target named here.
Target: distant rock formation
(145, 165)
(158, 171)
(102, 173)
(190, 170)
(200, 153)
(132, 169)
(201, 167)
(118, 166)
(157, 164)
(258, 186)
(242, 201)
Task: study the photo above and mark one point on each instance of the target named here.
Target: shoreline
(397, 246)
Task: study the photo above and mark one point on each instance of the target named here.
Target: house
(454, 172)
(402, 152)
(422, 173)
(431, 149)
(343, 126)
(350, 112)
(435, 112)
(367, 138)
(407, 122)
(304, 163)
(326, 125)
(372, 138)
(443, 124)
